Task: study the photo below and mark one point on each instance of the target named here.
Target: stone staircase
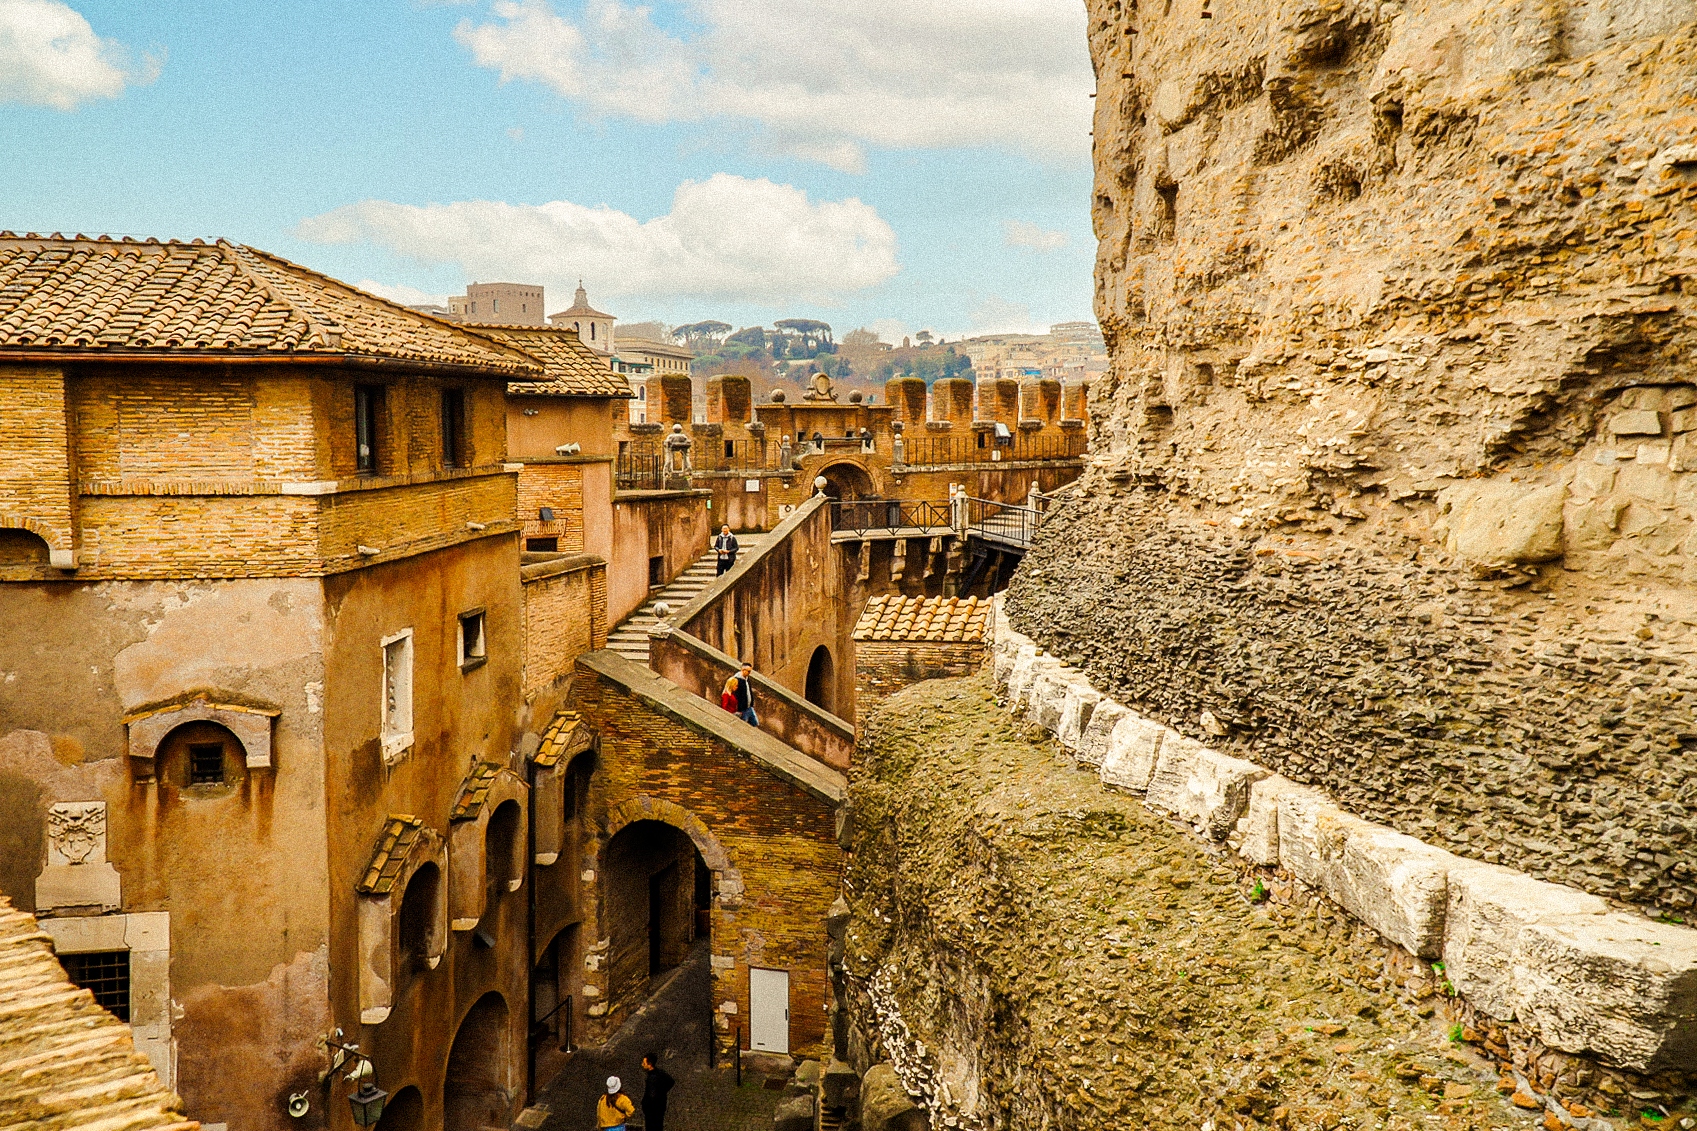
(630, 638)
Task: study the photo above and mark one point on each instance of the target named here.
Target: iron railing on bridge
(1006, 523)
(860, 516)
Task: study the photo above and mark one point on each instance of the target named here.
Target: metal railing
(860, 516)
(733, 455)
(641, 466)
(985, 447)
(1004, 523)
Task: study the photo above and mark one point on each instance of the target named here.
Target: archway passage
(847, 482)
(22, 547)
(475, 1090)
(403, 1112)
(651, 895)
(821, 679)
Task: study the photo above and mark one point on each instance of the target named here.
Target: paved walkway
(674, 1024)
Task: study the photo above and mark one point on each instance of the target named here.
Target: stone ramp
(630, 638)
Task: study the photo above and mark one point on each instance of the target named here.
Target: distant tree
(804, 337)
(924, 337)
(886, 371)
(860, 339)
(652, 331)
(750, 336)
(696, 335)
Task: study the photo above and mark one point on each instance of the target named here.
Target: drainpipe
(530, 938)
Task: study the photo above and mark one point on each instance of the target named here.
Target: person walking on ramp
(745, 695)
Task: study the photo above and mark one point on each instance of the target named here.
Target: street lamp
(367, 1102)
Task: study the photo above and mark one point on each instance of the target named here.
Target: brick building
(259, 551)
(900, 641)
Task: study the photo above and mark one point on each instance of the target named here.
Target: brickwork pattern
(565, 615)
(35, 488)
(558, 486)
(882, 668)
(779, 838)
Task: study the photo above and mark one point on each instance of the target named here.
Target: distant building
(511, 304)
(594, 328)
(1086, 334)
(433, 308)
(642, 358)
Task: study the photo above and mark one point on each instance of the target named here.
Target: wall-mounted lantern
(545, 514)
(367, 1099)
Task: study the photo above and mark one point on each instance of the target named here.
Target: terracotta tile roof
(66, 1063)
(570, 368)
(566, 735)
(474, 791)
(126, 297)
(397, 837)
(941, 619)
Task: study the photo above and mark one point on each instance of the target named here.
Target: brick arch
(727, 880)
(879, 487)
(57, 538)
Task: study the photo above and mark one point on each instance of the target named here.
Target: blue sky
(914, 164)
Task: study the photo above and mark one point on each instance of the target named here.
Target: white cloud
(50, 56)
(820, 84)
(401, 293)
(995, 314)
(726, 238)
(1023, 233)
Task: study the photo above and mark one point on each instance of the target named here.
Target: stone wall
(1387, 486)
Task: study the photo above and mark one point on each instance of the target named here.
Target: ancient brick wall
(884, 667)
(35, 485)
(565, 615)
(778, 840)
(1387, 483)
(558, 486)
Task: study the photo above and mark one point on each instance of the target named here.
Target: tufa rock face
(1390, 472)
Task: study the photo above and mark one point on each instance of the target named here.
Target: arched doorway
(847, 482)
(821, 679)
(475, 1090)
(22, 547)
(403, 1112)
(651, 890)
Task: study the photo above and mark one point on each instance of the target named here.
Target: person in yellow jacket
(612, 1109)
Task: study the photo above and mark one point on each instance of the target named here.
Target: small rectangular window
(657, 571)
(105, 974)
(368, 403)
(542, 545)
(206, 763)
(473, 644)
(453, 428)
(397, 694)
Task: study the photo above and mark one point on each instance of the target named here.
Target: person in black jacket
(725, 548)
(654, 1093)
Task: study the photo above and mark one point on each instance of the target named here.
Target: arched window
(504, 851)
(202, 758)
(419, 907)
(821, 678)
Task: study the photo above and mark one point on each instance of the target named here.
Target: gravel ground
(1069, 960)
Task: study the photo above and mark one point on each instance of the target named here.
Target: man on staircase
(725, 549)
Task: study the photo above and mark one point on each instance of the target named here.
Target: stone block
(1685, 420)
(1001, 667)
(885, 1104)
(1214, 794)
(794, 1114)
(1256, 834)
(1168, 782)
(1093, 744)
(1076, 708)
(1393, 883)
(1024, 670)
(1619, 986)
(1502, 523)
(1489, 911)
(1043, 701)
(842, 1086)
(1636, 422)
(1133, 746)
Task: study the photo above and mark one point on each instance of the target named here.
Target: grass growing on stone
(1070, 960)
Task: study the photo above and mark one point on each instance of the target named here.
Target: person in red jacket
(728, 696)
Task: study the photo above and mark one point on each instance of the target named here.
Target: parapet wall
(1581, 978)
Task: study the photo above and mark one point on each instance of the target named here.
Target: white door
(768, 1010)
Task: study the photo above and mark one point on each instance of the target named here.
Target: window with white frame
(397, 694)
(473, 643)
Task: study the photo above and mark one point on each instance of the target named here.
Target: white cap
(612, 1085)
